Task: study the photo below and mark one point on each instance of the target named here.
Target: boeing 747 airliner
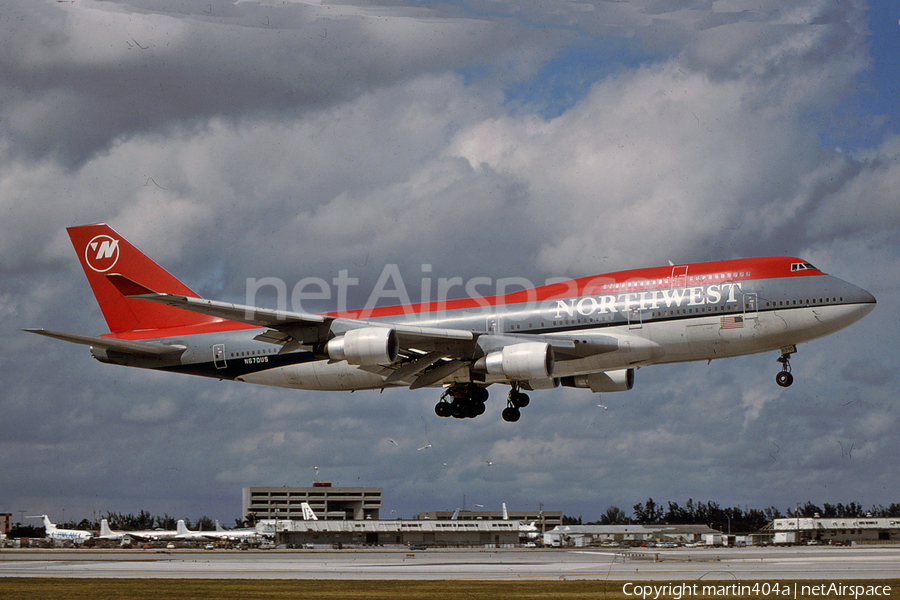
(590, 333)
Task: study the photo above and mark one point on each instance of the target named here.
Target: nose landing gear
(784, 378)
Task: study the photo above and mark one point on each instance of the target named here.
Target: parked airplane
(219, 534)
(590, 333)
(144, 535)
(55, 533)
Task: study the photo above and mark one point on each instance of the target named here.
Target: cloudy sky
(492, 139)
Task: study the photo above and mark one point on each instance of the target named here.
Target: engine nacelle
(366, 346)
(610, 381)
(519, 362)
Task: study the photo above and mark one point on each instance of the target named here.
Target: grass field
(244, 589)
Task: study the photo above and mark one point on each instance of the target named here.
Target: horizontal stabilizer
(127, 286)
(126, 346)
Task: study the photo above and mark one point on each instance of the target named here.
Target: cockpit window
(802, 267)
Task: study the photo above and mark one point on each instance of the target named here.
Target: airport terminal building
(828, 530)
(329, 503)
(544, 520)
(444, 534)
(595, 535)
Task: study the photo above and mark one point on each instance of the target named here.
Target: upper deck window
(802, 267)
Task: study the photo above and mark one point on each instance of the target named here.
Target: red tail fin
(104, 252)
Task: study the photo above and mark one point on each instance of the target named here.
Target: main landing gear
(514, 402)
(467, 401)
(784, 378)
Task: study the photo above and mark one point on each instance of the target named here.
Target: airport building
(329, 503)
(596, 535)
(828, 530)
(543, 520)
(446, 534)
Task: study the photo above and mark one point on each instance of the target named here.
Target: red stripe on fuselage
(174, 332)
(639, 279)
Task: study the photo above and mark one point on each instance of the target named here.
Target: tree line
(734, 519)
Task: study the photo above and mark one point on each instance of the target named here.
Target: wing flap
(438, 373)
(413, 367)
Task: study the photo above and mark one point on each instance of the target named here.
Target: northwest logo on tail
(102, 253)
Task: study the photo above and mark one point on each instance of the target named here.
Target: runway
(769, 564)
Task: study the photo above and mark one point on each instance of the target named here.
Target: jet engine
(366, 346)
(610, 381)
(519, 362)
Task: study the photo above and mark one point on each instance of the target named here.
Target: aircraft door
(493, 324)
(635, 318)
(679, 276)
(219, 356)
(751, 305)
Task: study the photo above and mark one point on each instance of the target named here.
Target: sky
(484, 139)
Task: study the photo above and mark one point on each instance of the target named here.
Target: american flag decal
(732, 322)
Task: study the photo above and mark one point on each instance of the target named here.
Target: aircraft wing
(126, 346)
(308, 327)
(427, 354)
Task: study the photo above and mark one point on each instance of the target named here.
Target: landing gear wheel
(511, 414)
(784, 379)
(520, 400)
(443, 409)
(462, 401)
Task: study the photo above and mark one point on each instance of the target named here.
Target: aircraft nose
(867, 300)
(864, 301)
